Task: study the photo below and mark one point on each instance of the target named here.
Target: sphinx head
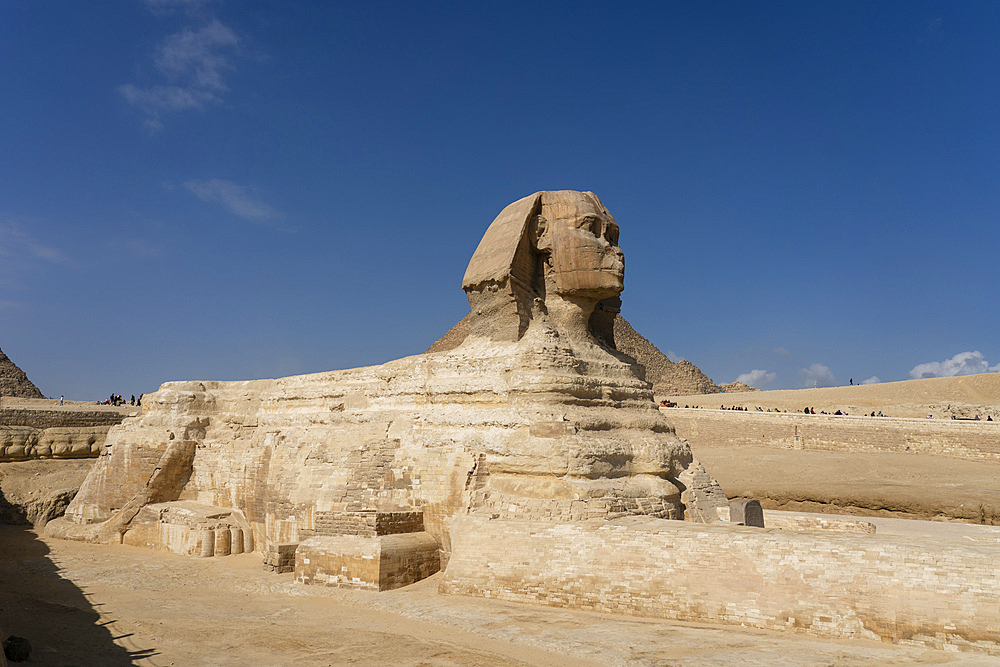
(552, 252)
(577, 240)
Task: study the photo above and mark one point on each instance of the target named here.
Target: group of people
(117, 399)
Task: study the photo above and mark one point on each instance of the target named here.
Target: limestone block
(280, 558)
(380, 562)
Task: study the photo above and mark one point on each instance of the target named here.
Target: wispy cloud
(872, 380)
(673, 356)
(817, 375)
(15, 242)
(963, 363)
(780, 351)
(20, 253)
(234, 198)
(758, 378)
(193, 63)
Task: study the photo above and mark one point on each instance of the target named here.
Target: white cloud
(963, 363)
(198, 57)
(673, 356)
(193, 62)
(872, 380)
(817, 375)
(235, 199)
(781, 352)
(757, 378)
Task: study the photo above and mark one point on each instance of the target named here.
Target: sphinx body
(535, 415)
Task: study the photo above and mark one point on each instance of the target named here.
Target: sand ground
(964, 396)
(83, 604)
(867, 484)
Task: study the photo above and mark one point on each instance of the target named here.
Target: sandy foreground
(84, 604)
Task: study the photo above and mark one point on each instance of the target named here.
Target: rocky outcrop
(35, 492)
(14, 382)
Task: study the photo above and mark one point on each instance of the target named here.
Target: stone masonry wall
(27, 433)
(834, 585)
(963, 439)
(42, 419)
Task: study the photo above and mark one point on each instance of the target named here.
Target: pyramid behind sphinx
(14, 381)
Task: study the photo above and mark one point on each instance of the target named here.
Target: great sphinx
(535, 415)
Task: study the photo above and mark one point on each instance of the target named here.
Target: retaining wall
(42, 419)
(44, 434)
(705, 427)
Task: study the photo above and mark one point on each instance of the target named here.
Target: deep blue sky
(224, 190)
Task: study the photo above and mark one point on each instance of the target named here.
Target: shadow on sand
(50, 611)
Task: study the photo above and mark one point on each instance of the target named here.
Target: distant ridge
(14, 382)
(667, 377)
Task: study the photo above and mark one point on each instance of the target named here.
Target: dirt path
(82, 604)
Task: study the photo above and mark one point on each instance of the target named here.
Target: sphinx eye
(593, 224)
(612, 234)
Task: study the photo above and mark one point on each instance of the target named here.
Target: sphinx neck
(570, 315)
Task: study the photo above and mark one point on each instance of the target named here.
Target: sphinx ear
(541, 239)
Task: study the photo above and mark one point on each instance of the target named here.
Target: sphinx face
(586, 260)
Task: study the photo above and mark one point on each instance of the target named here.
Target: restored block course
(831, 584)
(43, 419)
(377, 563)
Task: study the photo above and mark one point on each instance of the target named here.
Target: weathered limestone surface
(33, 433)
(823, 583)
(535, 415)
(18, 443)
